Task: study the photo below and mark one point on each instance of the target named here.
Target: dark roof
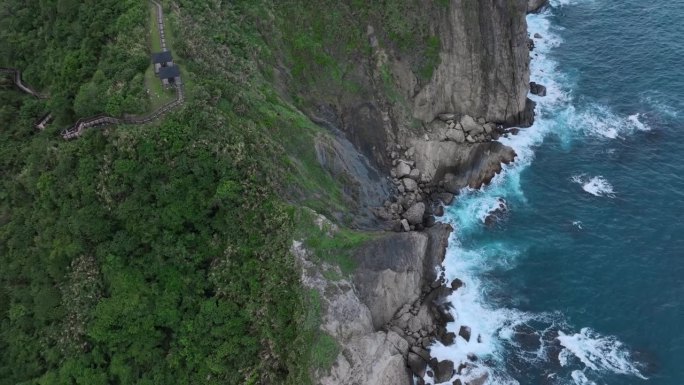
(169, 72)
(162, 57)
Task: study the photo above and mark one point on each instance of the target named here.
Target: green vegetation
(89, 56)
(323, 47)
(160, 254)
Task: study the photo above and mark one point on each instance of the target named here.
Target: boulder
(471, 126)
(402, 170)
(405, 225)
(446, 198)
(455, 135)
(537, 36)
(457, 382)
(430, 221)
(414, 215)
(444, 370)
(534, 6)
(481, 379)
(410, 184)
(456, 284)
(537, 89)
(417, 364)
(464, 332)
(415, 174)
(422, 353)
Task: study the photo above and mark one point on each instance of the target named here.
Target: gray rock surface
(455, 135)
(534, 6)
(414, 215)
(484, 68)
(462, 164)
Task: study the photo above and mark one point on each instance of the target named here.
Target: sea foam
(596, 186)
(496, 330)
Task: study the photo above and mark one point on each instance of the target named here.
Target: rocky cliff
(429, 137)
(484, 66)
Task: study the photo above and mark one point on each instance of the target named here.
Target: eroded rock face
(461, 165)
(390, 284)
(390, 273)
(484, 69)
(534, 6)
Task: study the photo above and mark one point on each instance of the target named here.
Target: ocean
(580, 280)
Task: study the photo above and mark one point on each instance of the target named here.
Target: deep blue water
(582, 280)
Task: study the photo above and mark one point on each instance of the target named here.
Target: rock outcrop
(460, 165)
(534, 6)
(484, 69)
(393, 285)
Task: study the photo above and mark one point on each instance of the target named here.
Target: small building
(161, 60)
(169, 75)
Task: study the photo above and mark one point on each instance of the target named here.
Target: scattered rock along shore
(387, 315)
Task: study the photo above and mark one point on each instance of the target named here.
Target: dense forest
(159, 254)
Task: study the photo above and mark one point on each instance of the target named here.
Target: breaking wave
(503, 338)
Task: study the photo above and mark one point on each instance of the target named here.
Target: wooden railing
(16, 78)
(102, 120)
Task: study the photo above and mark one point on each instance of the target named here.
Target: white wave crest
(596, 186)
(599, 353)
(580, 378)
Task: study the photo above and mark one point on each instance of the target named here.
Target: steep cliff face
(484, 68)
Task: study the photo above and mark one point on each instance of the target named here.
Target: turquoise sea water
(582, 280)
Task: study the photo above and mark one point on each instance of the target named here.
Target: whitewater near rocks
(511, 341)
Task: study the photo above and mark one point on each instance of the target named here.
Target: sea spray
(503, 337)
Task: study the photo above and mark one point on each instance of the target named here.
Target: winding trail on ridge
(102, 120)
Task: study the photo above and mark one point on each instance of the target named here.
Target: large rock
(534, 6)
(417, 364)
(414, 215)
(402, 170)
(466, 165)
(470, 126)
(444, 370)
(484, 66)
(410, 184)
(455, 135)
(537, 89)
(464, 332)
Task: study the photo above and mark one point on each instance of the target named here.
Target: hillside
(162, 253)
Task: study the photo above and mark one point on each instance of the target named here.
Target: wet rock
(445, 197)
(457, 382)
(456, 284)
(537, 89)
(430, 221)
(439, 210)
(496, 214)
(444, 371)
(537, 36)
(479, 380)
(422, 353)
(464, 332)
(417, 364)
(534, 6)
(449, 338)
